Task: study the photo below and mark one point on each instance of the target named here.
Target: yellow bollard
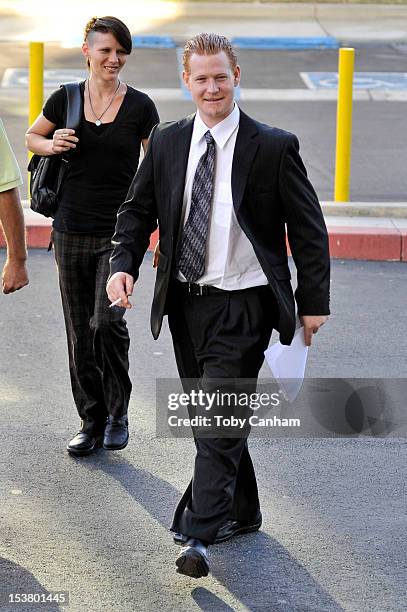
(344, 124)
(36, 80)
(36, 87)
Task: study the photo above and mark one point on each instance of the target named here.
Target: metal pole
(36, 85)
(344, 124)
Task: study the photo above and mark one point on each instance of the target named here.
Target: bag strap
(74, 108)
(74, 105)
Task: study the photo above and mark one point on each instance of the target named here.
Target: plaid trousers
(98, 340)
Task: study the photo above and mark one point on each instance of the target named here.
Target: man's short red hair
(208, 44)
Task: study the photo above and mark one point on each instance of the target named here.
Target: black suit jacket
(270, 191)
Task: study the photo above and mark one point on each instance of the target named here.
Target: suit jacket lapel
(178, 161)
(245, 149)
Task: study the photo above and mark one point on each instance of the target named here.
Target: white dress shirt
(230, 259)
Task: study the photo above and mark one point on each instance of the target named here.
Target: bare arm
(36, 138)
(144, 142)
(12, 219)
(156, 255)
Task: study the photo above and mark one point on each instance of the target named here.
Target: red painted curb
(367, 243)
(404, 245)
(363, 243)
(38, 237)
(153, 240)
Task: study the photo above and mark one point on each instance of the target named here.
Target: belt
(195, 289)
(201, 290)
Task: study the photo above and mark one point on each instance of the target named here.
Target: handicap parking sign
(19, 77)
(379, 81)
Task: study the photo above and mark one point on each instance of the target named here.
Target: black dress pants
(220, 336)
(98, 340)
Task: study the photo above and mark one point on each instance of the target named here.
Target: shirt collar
(221, 132)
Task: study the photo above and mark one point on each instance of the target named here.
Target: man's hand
(12, 221)
(120, 286)
(14, 275)
(311, 324)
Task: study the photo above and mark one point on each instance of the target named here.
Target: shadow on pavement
(16, 579)
(255, 568)
(206, 600)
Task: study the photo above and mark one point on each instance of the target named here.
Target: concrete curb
(392, 210)
(353, 237)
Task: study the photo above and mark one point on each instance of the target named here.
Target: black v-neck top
(103, 164)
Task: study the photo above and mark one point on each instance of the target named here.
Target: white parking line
(16, 79)
(305, 95)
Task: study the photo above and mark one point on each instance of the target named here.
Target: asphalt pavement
(334, 513)
(334, 509)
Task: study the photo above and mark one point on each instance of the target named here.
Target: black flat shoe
(227, 531)
(192, 560)
(116, 433)
(84, 444)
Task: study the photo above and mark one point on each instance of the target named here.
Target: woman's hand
(63, 140)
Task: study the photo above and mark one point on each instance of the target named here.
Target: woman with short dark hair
(116, 119)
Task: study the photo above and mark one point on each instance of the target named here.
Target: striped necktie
(193, 244)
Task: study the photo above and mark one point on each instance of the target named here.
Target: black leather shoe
(116, 433)
(193, 560)
(84, 443)
(234, 528)
(227, 531)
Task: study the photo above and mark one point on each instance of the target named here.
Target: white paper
(287, 364)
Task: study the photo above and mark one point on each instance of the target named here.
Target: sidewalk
(22, 21)
(363, 231)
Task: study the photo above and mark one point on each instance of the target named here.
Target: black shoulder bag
(48, 173)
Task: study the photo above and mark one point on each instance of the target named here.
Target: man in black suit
(222, 188)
